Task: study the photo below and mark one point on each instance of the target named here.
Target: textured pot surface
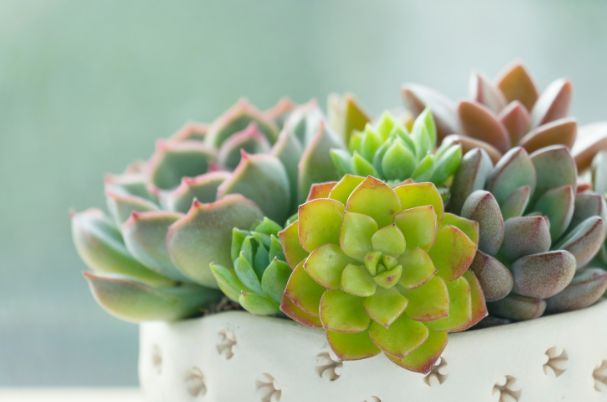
(236, 357)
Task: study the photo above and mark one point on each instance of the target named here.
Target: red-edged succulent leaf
(460, 307)
(262, 179)
(348, 346)
(376, 199)
(251, 140)
(320, 190)
(422, 359)
(236, 119)
(174, 160)
(289, 240)
(419, 225)
(399, 339)
(452, 252)
(210, 225)
(302, 292)
(121, 206)
(429, 301)
(413, 195)
(100, 245)
(202, 188)
(319, 223)
(343, 312)
(145, 237)
(325, 265)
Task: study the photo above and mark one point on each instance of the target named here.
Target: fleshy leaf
(559, 132)
(385, 306)
(553, 103)
(452, 252)
(516, 84)
(585, 240)
(429, 301)
(543, 275)
(136, 302)
(518, 308)
(460, 307)
(419, 225)
(145, 237)
(101, 247)
(423, 358)
(400, 338)
(349, 346)
(289, 239)
(586, 289)
(495, 279)
(356, 232)
(319, 223)
(211, 225)
(303, 292)
(342, 312)
(471, 176)
(375, 199)
(479, 122)
(325, 265)
(419, 194)
(514, 170)
(263, 180)
(356, 281)
(482, 207)
(524, 235)
(417, 268)
(558, 206)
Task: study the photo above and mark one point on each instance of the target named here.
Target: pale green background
(86, 86)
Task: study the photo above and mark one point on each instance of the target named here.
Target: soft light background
(86, 87)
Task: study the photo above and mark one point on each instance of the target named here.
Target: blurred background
(87, 86)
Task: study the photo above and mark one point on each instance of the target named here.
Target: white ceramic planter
(236, 357)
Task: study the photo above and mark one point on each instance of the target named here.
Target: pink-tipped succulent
(382, 269)
(173, 216)
(390, 152)
(538, 231)
(509, 111)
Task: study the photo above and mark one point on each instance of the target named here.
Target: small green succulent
(382, 269)
(258, 275)
(389, 152)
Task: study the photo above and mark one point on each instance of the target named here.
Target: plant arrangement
(385, 234)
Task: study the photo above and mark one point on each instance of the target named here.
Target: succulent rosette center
(382, 269)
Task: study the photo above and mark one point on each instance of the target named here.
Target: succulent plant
(174, 215)
(345, 116)
(389, 152)
(508, 112)
(381, 269)
(258, 274)
(537, 232)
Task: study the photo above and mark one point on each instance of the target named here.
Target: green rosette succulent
(381, 269)
(390, 152)
(172, 216)
(538, 231)
(258, 275)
